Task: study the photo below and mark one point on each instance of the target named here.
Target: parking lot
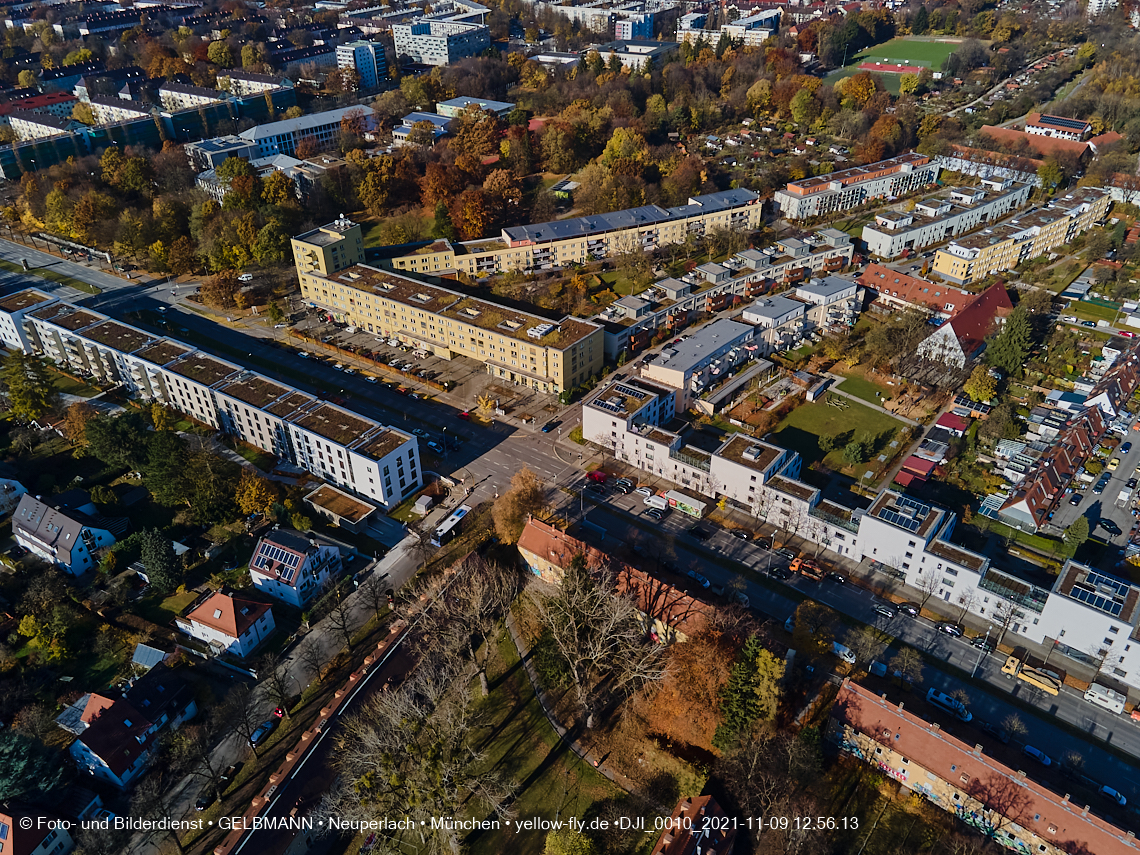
(1102, 505)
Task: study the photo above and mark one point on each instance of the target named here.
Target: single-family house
(229, 623)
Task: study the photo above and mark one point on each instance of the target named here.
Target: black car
(208, 797)
(1109, 526)
(739, 534)
(836, 576)
(951, 629)
(999, 733)
(762, 543)
(1076, 498)
(910, 609)
(699, 533)
(784, 552)
(1131, 484)
(549, 426)
(781, 573)
(984, 642)
(624, 489)
(595, 487)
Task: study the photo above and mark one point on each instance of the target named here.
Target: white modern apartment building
(691, 364)
(850, 188)
(438, 40)
(284, 136)
(239, 82)
(357, 454)
(783, 322)
(944, 215)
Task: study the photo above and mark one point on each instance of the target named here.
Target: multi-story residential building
(957, 776)
(1025, 236)
(284, 136)
(981, 163)
(631, 322)
(691, 364)
(182, 96)
(356, 453)
(896, 290)
(825, 304)
(229, 624)
(27, 125)
(438, 40)
(238, 82)
(633, 25)
(1060, 127)
(367, 59)
(64, 533)
(107, 110)
(551, 356)
(119, 735)
(753, 30)
(32, 831)
(583, 239)
(850, 188)
(293, 567)
(946, 214)
(58, 104)
(963, 337)
(408, 131)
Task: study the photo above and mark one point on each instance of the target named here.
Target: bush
(551, 668)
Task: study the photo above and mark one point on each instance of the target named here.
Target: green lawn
(520, 742)
(931, 51)
(162, 610)
(801, 430)
(1092, 312)
(860, 387)
(69, 386)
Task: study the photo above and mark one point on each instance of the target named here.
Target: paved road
(1103, 506)
(684, 551)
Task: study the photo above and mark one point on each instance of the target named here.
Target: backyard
(859, 386)
(801, 429)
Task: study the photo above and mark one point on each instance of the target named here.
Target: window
(1114, 630)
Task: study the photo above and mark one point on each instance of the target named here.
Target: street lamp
(982, 652)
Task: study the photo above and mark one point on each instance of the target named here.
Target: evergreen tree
(28, 771)
(1008, 350)
(31, 393)
(443, 226)
(1077, 532)
(752, 692)
(157, 556)
(921, 21)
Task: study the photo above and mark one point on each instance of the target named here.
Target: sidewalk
(563, 733)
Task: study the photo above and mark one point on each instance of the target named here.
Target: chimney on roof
(1085, 812)
(1065, 800)
(900, 706)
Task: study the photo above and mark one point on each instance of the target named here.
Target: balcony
(1016, 591)
(831, 519)
(702, 463)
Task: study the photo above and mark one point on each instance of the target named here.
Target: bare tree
(1014, 726)
(907, 664)
(1004, 614)
(244, 713)
(600, 637)
(410, 753)
(867, 643)
(312, 657)
(967, 600)
(151, 800)
(276, 680)
(342, 623)
(191, 748)
(374, 592)
(926, 585)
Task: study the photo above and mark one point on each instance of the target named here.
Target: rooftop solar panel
(1064, 122)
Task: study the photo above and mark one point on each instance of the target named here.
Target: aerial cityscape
(592, 428)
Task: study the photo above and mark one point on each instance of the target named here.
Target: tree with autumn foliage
(76, 419)
(219, 291)
(752, 693)
(476, 132)
(254, 494)
(685, 706)
(470, 213)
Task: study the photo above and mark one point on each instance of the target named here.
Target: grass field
(906, 50)
(1091, 311)
(863, 388)
(801, 430)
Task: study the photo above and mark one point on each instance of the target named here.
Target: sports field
(929, 51)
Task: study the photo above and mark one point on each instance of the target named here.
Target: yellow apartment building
(1024, 236)
(548, 356)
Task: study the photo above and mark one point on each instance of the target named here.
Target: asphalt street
(668, 541)
(1103, 505)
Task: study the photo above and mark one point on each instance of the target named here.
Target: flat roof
(793, 488)
(450, 304)
(959, 556)
(857, 173)
(122, 338)
(775, 307)
(735, 448)
(254, 390)
(22, 300)
(339, 503)
(67, 316)
(203, 369)
(289, 405)
(163, 352)
(703, 343)
(383, 444)
(333, 424)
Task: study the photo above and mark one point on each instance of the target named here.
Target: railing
(831, 519)
(1014, 590)
(690, 460)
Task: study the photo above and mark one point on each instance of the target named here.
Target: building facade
(284, 136)
(432, 40)
(367, 59)
(229, 624)
(292, 567)
(849, 188)
(549, 356)
(63, 536)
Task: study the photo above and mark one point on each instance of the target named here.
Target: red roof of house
(118, 735)
(977, 318)
(919, 466)
(913, 289)
(229, 614)
(679, 837)
(1038, 810)
(1107, 138)
(953, 422)
(1041, 144)
(905, 479)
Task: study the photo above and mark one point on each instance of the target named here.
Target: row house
(894, 289)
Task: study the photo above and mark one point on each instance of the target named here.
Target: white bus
(446, 532)
(1105, 697)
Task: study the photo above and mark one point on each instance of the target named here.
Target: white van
(1105, 697)
(951, 705)
(843, 652)
(656, 502)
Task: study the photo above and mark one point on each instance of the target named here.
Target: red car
(466, 416)
(597, 475)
